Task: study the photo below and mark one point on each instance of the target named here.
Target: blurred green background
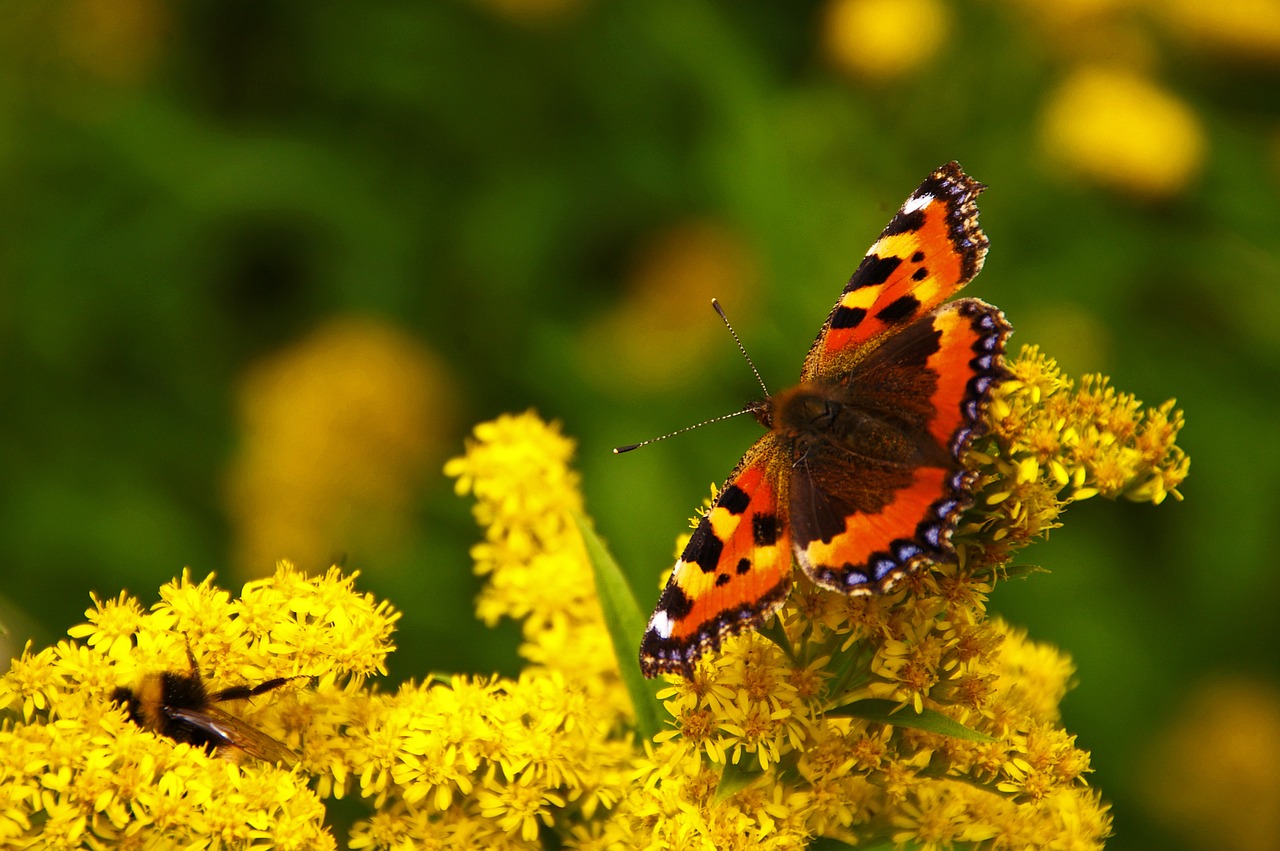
(262, 266)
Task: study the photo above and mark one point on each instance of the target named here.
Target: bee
(181, 707)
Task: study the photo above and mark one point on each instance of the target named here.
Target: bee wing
(236, 734)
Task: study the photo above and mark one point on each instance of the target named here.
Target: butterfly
(859, 475)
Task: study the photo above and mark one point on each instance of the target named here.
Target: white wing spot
(917, 202)
(661, 624)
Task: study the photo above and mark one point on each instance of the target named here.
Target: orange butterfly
(859, 475)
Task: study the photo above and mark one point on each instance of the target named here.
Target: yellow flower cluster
(517, 467)
(1243, 31)
(1115, 127)
(911, 718)
(1055, 444)
(1112, 121)
(882, 40)
(486, 763)
(76, 772)
(338, 433)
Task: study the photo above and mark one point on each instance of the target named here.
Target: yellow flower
(533, 558)
(911, 717)
(883, 39)
(76, 770)
(667, 298)
(338, 435)
(1213, 771)
(1242, 30)
(1055, 444)
(1118, 129)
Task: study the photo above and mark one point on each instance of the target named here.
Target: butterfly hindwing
(734, 572)
(866, 509)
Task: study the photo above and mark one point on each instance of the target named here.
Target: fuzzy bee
(180, 706)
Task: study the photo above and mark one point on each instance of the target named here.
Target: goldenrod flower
(75, 771)
(338, 433)
(1213, 771)
(533, 558)
(687, 264)
(1117, 128)
(883, 39)
(1242, 30)
(911, 718)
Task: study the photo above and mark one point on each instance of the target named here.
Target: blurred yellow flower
(1116, 128)
(1239, 31)
(668, 298)
(338, 434)
(883, 39)
(117, 40)
(1213, 774)
(1092, 30)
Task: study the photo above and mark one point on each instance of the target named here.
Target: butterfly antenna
(741, 348)
(620, 449)
(749, 409)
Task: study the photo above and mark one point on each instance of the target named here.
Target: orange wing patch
(736, 569)
(861, 474)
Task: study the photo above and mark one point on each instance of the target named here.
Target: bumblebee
(181, 707)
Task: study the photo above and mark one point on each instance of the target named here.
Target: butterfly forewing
(735, 570)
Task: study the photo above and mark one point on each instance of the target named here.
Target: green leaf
(774, 631)
(929, 720)
(1020, 571)
(826, 843)
(626, 625)
(738, 776)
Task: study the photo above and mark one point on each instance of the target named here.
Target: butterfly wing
(931, 248)
(734, 572)
(871, 502)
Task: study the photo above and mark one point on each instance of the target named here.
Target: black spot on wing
(744, 566)
(899, 309)
(848, 317)
(704, 548)
(918, 257)
(764, 530)
(905, 222)
(872, 272)
(734, 500)
(674, 603)
(722, 580)
(920, 274)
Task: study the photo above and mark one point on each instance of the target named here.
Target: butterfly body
(859, 475)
